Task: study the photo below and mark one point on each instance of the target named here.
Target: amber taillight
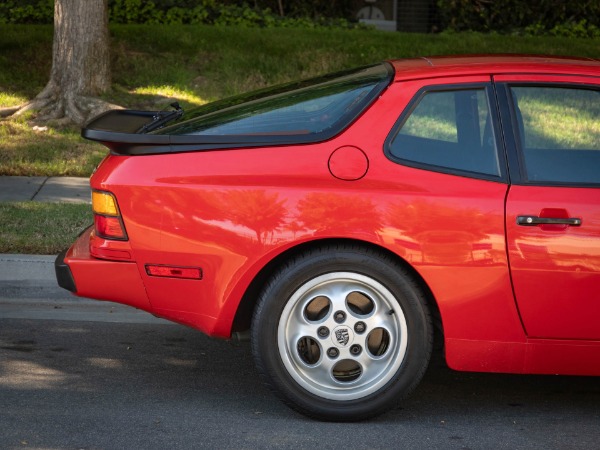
(108, 222)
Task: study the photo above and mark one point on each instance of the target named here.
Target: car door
(553, 205)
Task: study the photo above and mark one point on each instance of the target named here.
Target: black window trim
(508, 114)
(488, 88)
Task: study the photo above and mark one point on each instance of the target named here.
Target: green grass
(26, 151)
(41, 228)
(154, 65)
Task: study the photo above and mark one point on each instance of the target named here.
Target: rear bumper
(64, 277)
(86, 276)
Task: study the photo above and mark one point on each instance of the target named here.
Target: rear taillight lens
(108, 222)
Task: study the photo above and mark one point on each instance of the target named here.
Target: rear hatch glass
(311, 110)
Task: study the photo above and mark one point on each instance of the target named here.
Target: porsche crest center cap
(342, 336)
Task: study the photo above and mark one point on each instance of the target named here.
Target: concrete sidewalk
(45, 189)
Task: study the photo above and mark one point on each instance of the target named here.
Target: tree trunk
(80, 63)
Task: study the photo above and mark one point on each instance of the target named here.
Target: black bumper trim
(64, 277)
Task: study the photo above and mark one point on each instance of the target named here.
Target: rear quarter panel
(231, 211)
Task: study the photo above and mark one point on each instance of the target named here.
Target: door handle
(531, 221)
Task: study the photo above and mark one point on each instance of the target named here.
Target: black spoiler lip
(117, 130)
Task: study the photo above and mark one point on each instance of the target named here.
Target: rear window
(312, 109)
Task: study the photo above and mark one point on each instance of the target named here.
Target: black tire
(342, 333)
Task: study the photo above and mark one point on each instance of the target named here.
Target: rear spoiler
(123, 131)
(119, 130)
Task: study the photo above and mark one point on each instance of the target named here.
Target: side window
(451, 130)
(559, 133)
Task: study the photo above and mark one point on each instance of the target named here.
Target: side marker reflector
(191, 273)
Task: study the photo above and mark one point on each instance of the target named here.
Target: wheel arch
(245, 309)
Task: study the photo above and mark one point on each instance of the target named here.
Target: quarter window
(559, 133)
(451, 130)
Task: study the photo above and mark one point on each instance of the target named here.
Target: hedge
(575, 18)
(571, 18)
(299, 13)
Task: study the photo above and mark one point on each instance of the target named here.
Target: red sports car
(344, 223)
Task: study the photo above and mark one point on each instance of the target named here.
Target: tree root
(60, 110)
(6, 112)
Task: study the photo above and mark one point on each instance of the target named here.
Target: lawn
(154, 65)
(41, 228)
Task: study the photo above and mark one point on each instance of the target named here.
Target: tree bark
(80, 64)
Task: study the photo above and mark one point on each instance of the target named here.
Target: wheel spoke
(321, 372)
(336, 293)
(373, 367)
(302, 330)
(382, 319)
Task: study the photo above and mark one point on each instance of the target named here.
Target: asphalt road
(77, 374)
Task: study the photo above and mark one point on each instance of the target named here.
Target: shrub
(179, 12)
(575, 18)
(26, 11)
(581, 29)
